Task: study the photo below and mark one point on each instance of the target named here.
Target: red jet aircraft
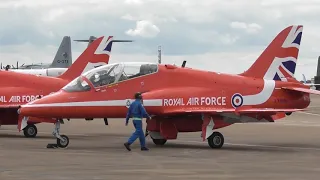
(183, 99)
(17, 88)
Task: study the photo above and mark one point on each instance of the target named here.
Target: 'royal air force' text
(195, 101)
(19, 99)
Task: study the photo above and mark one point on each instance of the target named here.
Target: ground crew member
(137, 112)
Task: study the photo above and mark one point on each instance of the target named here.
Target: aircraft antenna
(184, 63)
(159, 54)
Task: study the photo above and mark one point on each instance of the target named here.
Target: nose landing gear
(62, 140)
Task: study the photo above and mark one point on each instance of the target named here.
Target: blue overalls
(137, 112)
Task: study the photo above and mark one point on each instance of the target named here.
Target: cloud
(210, 34)
(250, 28)
(144, 29)
(133, 2)
(228, 39)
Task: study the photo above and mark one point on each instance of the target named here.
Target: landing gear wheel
(30, 130)
(63, 144)
(159, 141)
(216, 140)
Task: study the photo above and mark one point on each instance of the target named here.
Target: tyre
(159, 141)
(216, 140)
(63, 144)
(30, 131)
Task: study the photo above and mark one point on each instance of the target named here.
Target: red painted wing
(305, 90)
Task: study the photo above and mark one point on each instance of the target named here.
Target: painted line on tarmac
(271, 146)
(205, 142)
(68, 134)
(301, 124)
(296, 124)
(313, 114)
(313, 107)
(46, 133)
(254, 145)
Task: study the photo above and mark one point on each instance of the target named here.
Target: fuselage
(167, 88)
(18, 89)
(35, 66)
(52, 72)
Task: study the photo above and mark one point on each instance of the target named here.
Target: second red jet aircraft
(19, 88)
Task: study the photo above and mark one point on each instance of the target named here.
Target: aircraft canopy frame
(111, 74)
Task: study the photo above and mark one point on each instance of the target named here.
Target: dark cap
(138, 95)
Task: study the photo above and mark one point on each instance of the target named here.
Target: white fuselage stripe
(261, 97)
(256, 99)
(151, 102)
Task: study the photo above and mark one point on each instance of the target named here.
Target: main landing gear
(215, 140)
(62, 140)
(156, 141)
(159, 141)
(30, 131)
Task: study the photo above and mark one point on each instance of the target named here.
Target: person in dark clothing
(7, 67)
(137, 112)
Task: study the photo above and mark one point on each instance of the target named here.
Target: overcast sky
(216, 35)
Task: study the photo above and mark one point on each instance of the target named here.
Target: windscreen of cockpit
(77, 85)
(104, 75)
(115, 73)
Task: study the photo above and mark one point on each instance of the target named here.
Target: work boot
(127, 145)
(144, 149)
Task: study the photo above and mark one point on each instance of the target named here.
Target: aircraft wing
(311, 84)
(229, 110)
(305, 90)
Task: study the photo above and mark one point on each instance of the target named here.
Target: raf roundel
(237, 100)
(128, 103)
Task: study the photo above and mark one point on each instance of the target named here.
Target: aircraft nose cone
(29, 110)
(46, 107)
(33, 108)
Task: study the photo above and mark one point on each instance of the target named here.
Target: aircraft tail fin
(278, 60)
(95, 55)
(63, 58)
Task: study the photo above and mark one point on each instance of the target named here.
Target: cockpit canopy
(110, 74)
